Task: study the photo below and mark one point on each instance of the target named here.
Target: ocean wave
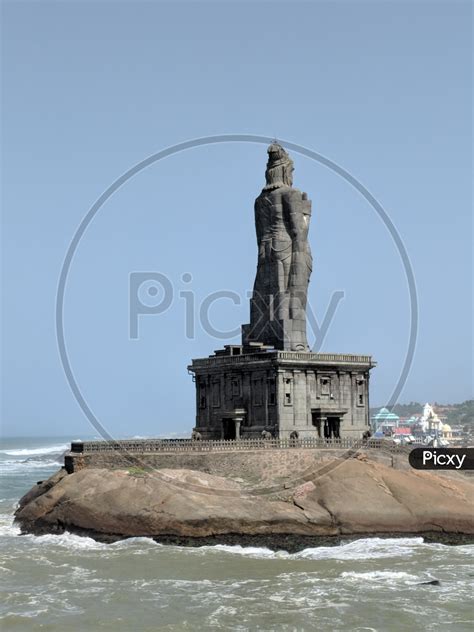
(16, 617)
(67, 540)
(7, 528)
(36, 451)
(377, 576)
(136, 542)
(258, 552)
(19, 467)
(362, 549)
(74, 542)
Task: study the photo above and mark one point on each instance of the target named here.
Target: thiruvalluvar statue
(279, 298)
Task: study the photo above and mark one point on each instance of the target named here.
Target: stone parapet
(293, 357)
(252, 468)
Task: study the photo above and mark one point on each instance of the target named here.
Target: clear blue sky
(91, 88)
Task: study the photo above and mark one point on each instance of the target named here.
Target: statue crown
(277, 155)
(279, 168)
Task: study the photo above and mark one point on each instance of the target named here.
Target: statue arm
(259, 221)
(297, 211)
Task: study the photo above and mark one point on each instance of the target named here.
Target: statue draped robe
(278, 303)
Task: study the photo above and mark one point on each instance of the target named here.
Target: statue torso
(282, 221)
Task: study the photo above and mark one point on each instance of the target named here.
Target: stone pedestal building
(272, 384)
(243, 392)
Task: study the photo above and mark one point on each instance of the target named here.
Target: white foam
(70, 541)
(36, 451)
(362, 549)
(7, 528)
(246, 551)
(365, 548)
(10, 465)
(64, 540)
(135, 542)
(40, 469)
(215, 618)
(27, 614)
(75, 542)
(377, 576)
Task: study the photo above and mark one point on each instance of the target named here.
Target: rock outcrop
(357, 496)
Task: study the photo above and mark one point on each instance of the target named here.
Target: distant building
(407, 422)
(401, 432)
(430, 422)
(403, 436)
(447, 432)
(384, 422)
(458, 436)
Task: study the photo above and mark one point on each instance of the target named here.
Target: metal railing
(142, 446)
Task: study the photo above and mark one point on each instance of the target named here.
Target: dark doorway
(228, 428)
(333, 427)
(316, 421)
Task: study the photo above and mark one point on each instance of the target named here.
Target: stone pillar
(299, 398)
(198, 402)
(208, 403)
(324, 420)
(247, 396)
(367, 402)
(280, 394)
(238, 421)
(353, 394)
(265, 396)
(308, 398)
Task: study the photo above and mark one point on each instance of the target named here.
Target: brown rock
(354, 497)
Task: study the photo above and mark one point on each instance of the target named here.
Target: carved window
(325, 386)
(288, 392)
(360, 391)
(202, 396)
(216, 394)
(257, 391)
(236, 387)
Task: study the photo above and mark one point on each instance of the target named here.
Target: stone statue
(282, 216)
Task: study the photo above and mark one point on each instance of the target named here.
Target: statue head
(279, 172)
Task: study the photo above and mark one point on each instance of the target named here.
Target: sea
(61, 582)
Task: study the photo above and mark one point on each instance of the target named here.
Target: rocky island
(343, 497)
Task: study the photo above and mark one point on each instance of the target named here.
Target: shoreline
(289, 542)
